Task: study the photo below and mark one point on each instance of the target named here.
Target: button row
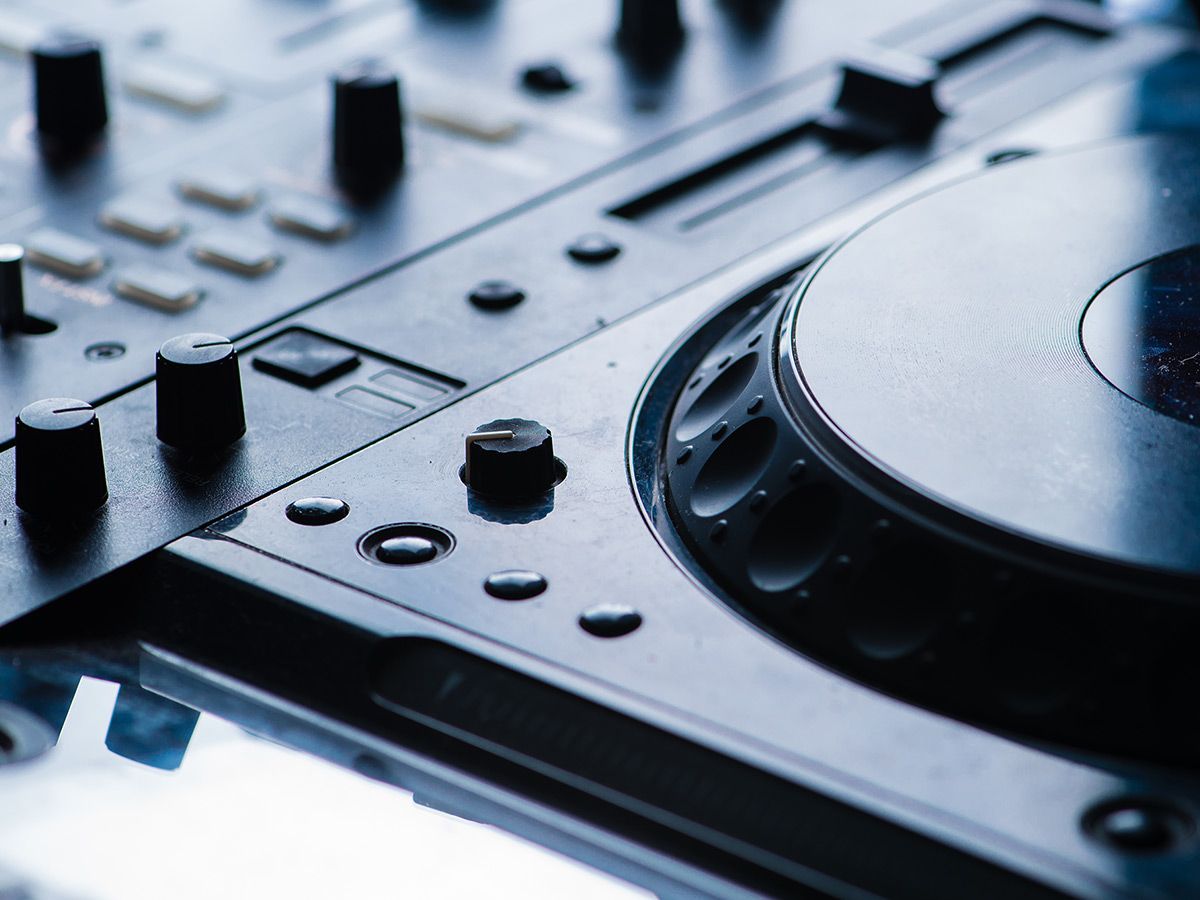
(160, 223)
(66, 254)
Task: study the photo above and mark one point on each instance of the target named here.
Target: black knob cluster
(511, 459)
(59, 456)
(368, 128)
(70, 101)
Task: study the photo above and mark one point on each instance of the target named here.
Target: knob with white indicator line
(59, 459)
(199, 393)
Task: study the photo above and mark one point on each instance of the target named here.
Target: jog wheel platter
(959, 460)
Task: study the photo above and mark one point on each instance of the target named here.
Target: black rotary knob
(69, 97)
(368, 128)
(12, 289)
(650, 30)
(199, 393)
(511, 459)
(59, 459)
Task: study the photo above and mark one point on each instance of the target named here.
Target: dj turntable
(749, 448)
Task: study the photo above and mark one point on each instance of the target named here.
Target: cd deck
(750, 448)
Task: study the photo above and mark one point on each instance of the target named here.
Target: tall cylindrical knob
(368, 128)
(199, 393)
(511, 459)
(650, 30)
(70, 102)
(12, 289)
(59, 459)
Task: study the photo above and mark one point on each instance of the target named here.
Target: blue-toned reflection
(145, 727)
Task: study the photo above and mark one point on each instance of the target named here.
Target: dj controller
(749, 446)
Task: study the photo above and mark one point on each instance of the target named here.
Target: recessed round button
(515, 584)
(406, 551)
(610, 620)
(409, 544)
(496, 295)
(594, 249)
(317, 510)
(1140, 825)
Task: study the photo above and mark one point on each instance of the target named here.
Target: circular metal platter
(945, 344)
(959, 460)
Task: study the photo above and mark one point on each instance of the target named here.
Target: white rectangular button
(184, 90)
(235, 253)
(157, 287)
(64, 253)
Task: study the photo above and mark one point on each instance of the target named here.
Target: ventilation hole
(1043, 649)
(717, 398)
(734, 468)
(794, 539)
(897, 605)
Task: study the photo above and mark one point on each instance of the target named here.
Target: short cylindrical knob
(368, 128)
(70, 102)
(511, 459)
(59, 459)
(199, 393)
(12, 289)
(650, 30)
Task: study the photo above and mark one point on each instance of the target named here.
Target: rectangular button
(310, 217)
(146, 220)
(395, 381)
(235, 253)
(480, 124)
(184, 90)
(219, 187)
(305, 359)
(63, 253)
(157, 287)
(373, 402)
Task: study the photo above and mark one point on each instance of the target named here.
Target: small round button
(594, 249)
(515, 584)
(1137, 825)
(59, 459)
(496, 295)
(547, 78)
(407, 550)
(408, 544)
(610, 620)
(317, 510)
